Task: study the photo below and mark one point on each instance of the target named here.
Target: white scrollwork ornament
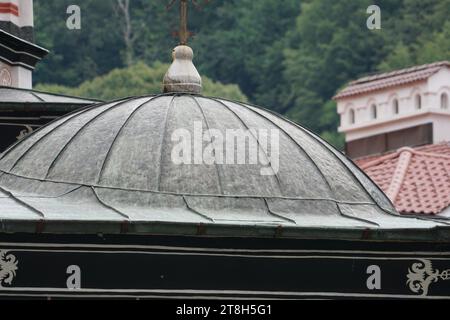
(8, 267)
(5, 77)
(422, 275)
(24, 133)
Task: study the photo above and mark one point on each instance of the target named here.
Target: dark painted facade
(51, 266)
(24, 111)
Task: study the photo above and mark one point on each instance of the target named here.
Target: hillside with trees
(135, 80)
(288, 55)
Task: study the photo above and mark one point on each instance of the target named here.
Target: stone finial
(182, 75)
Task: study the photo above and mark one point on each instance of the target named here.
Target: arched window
(395, 107)
(351, 116)
(444, 101)
(373, 111)
(418, 102)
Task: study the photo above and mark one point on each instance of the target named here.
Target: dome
(114, 161)
(127, 145)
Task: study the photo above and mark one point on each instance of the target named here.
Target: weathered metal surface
(23, 96)
(110, 164)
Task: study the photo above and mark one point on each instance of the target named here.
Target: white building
(397, 129)
(384, 112)
(23, 110)
(18, 53)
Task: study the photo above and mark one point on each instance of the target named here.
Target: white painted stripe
(223, 254)
(28, 42)
(20, 52)
(104, 296)
(168, 248)
(15, 64)
(218, 292)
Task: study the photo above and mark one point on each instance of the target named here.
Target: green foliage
(424, 35)
(228, 91)
(436, 47)
(241, 41)
(233, 41)
(76, 55)
(323, 55)
(399, 58)
(334, 138)
(288, 55)
(330, 46)
(138, 79)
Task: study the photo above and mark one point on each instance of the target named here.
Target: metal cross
(183, 32)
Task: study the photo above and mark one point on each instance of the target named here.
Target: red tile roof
(390, 79)
(416, 180)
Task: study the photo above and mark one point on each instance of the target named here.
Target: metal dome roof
(112, 163)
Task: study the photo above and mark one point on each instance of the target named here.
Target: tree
(436, 47)
(76, 55)
(138, 79)
(323, 55)
(123, 9)
(242, 41)
(400, 57)
(288, 55)
(133, 23)
(418, 34)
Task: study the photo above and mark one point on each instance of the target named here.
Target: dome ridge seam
(26, 152)
(300, 147)
(193, 194)
(256, 139)
(163, 139)
(66, 145)
(70, 115)
(124, 125)
(218, 170)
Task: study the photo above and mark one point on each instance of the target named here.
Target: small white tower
(18, 54)
(403, 108)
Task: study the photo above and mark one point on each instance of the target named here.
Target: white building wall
(25, 18)
(15, 76)
(387, 121)
(26, 13)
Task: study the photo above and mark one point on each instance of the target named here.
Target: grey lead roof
(109, 165)
(15, 95)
